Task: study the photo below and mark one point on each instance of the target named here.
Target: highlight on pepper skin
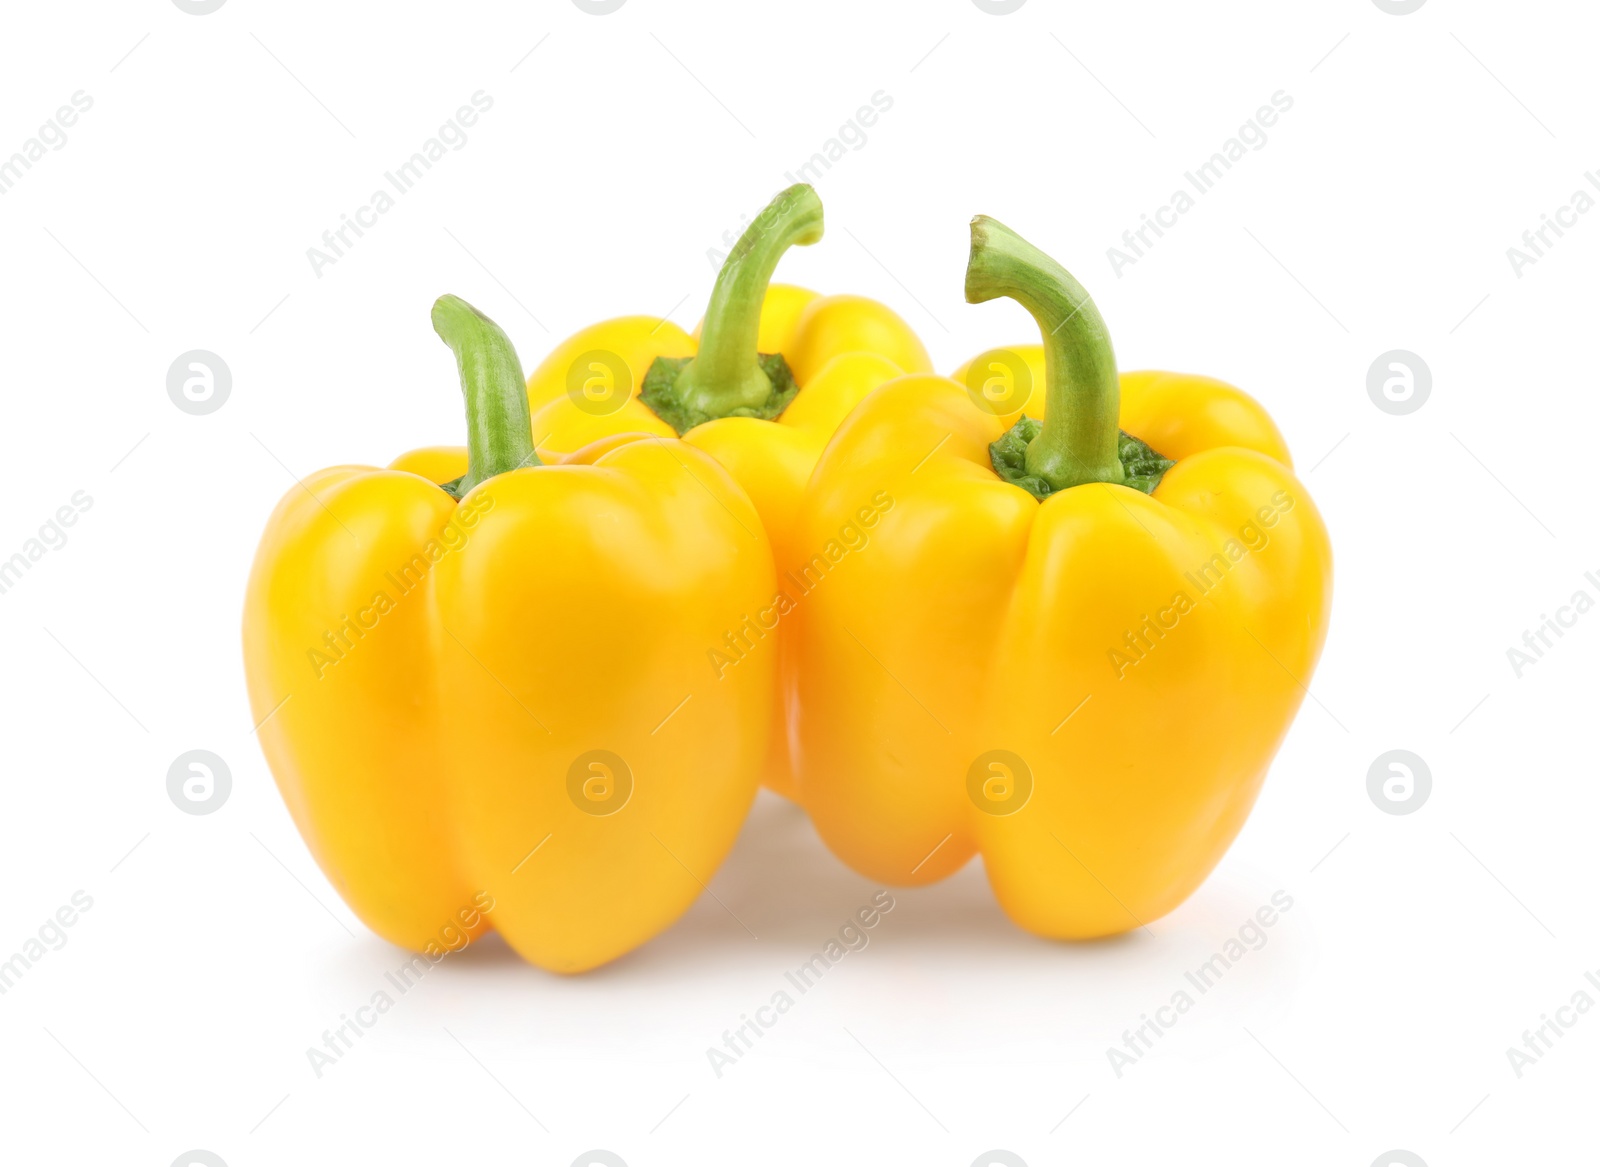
(1079, 637)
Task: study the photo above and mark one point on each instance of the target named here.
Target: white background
(618, 151)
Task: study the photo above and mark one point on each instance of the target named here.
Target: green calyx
(1142, 467)
(658, 391)
(1078, 442)
(727, 377)
(499, 429)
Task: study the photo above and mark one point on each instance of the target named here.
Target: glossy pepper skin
(1087, 688)
(496, 693)
(837, 349)
(767, 421)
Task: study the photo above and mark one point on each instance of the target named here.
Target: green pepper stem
(499, 430)
(725, 374)
(1078, 442)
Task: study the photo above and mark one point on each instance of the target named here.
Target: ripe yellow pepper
(763, 387)
(487, 705)
(772, 373)
(1050, 644)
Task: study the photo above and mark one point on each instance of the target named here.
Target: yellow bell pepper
(768, 377)
(1049, 643)
(761, 388)
(487, 705)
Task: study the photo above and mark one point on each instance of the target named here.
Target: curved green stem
(1078, 441)
(499, 429)
(727, 376)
